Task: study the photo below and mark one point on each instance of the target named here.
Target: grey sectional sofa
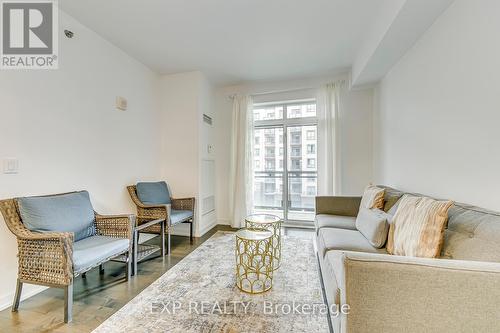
(459, 292)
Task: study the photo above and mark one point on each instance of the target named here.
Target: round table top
(254, 234)
(262, 218)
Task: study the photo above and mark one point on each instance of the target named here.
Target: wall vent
(207, 119)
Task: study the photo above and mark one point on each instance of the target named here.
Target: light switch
(11, 165)
(121, 103)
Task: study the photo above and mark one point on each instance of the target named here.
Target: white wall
(185, 97)
(439, 115)
(67, 135)
(356, 136)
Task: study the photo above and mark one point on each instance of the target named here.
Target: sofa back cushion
(70, 212)
(372, 223)
(472, 233)
(153, 193)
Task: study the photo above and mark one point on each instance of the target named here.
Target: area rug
(199, 294)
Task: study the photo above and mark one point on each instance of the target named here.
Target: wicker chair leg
(101, 269)
(129, 265)
(162, 238)
(135, 245)
(17, 297)
(168, 241)
(191, 232)
(68, 303)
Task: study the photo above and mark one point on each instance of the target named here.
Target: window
(296, 188)
(270, 164)
(257, 164)
(268, 113)
(296, 151)
(311, 163)
(301, 110)
(296, 164)
(311, 190)
(270, 152)
(270, 139)
(286, 182)
(257, 140)
(270, 188)
(296, 138)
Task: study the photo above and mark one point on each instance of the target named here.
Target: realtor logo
(29, 35)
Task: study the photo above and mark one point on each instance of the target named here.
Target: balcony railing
(298, 203)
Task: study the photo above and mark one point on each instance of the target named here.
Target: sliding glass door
(285, 159)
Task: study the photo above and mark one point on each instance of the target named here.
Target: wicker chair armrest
(183, 204)
(153, 212)
(46, 258)
(133, 195)
(115, 225)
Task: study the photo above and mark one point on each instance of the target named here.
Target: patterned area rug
(199, 295)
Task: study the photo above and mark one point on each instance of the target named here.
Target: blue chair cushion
(91, 251)
(177, 216)
(156, 193)
(71, 212)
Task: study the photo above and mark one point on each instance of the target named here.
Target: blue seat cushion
(177, 216)
(91, 251)
(156, 193)
(71, 212)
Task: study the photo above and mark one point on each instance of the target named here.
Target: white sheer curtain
(329, 103)
(241, 171)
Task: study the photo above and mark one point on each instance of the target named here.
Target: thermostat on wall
(121, 103)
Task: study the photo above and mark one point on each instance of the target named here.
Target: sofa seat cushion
(342, 239)
(153, 193)
(91, 251)
(70, 212)
(335, 221)
(178, 216)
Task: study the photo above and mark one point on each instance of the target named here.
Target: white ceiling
(234, 40)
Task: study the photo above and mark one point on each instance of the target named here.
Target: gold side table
(273, 224)
(254, 260)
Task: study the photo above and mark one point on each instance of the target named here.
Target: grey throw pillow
(372, 223)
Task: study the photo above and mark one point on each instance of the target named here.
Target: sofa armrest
(403, 294)
(46, 258)
(335, 205)
(115, 225)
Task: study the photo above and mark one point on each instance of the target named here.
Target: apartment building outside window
(285, 176)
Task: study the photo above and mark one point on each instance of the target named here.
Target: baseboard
(28, 291)
(223, 221)
(207, 228)
(183, 229)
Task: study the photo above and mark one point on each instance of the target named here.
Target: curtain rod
(273, 92)
(284, 90)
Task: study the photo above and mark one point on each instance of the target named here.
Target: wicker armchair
(47, 258)
(151, 212)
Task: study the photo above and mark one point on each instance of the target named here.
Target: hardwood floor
(99, 296)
